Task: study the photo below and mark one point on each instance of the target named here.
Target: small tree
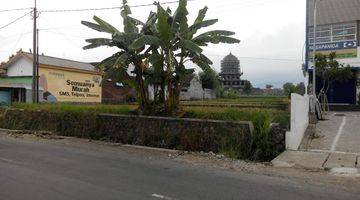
(209, 79)
(300, 88)
(330, 70)
(289, 88)
(269, 87)
(247, 87)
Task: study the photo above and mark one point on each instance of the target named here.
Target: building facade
(337, 30)
(230, 76)
(114, 92)
(60, 80)
(193, 90)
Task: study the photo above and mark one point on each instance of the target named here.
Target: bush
(262, 147)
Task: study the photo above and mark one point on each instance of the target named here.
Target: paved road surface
(40, 170)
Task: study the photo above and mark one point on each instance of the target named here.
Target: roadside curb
(151, 148)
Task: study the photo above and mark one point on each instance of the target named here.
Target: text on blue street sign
(335, 46)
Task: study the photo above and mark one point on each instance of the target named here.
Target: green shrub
(261, 147)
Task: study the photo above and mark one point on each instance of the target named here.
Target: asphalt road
(40, 170)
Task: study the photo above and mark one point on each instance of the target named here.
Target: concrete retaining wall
(163, 132)
(299, 121)
(188, 134)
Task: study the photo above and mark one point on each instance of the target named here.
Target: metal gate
(5, 97)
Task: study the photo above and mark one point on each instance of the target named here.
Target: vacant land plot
(243, 100)
(241, 109)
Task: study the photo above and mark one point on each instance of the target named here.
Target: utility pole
(314, 47)
(34, 100)
(37, 66)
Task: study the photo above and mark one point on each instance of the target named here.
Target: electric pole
(34, 77)
(37, 66)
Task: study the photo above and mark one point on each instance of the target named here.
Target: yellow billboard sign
(61, 85)
(341, 53)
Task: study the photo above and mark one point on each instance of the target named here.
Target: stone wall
(235, 138)
(175, 133)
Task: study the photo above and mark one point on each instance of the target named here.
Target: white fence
(299, 121)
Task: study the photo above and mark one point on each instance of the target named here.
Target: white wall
(22, 67)
(195, 91)
(299, 121)
(209, 94)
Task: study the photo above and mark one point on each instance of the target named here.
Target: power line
(79, 10)
(106, 8)
(262, 58)
(64, 36)
(15, 9)
(15, 20)
(274, 59)
(20, 36)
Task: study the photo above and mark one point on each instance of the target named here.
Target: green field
(243, 100)
(242, 109)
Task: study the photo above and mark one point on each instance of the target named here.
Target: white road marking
(338, 135)
(336, 152)
(159, 196)
(10, 161)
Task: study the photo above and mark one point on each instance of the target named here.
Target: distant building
(338, 30)
(230, 75)
(114, 92)
(60, 80)
(193, 90)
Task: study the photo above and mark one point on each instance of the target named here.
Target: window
(333, 33)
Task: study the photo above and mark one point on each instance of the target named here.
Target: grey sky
(271, 31)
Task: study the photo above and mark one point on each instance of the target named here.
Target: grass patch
(77, 108)
(238, 114)
(243, 100)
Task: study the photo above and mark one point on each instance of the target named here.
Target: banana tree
(116, 66)
(177, 43)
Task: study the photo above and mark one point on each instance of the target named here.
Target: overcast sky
(271, 33)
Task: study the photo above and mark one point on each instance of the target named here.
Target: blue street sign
(335, 46)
